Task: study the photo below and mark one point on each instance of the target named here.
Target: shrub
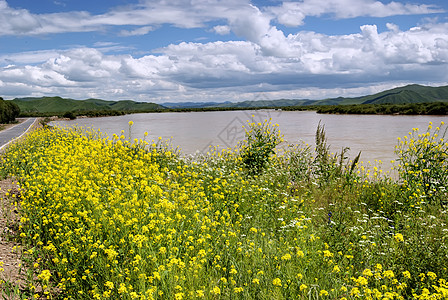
(70, 115)
(423, 168)
(261, 139)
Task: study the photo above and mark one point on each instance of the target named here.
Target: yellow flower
(327, 253)
(287, 256)
(432, 275)
(388, 274)
(361, 281)
(109, 285)
(407, 274)
(216, 290)
(122, 289)
(303, 287)
(399, 237)
(44, 275)
(355, 292)
(277, 282)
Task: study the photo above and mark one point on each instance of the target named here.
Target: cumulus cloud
(243, 18)
(265, 59)
(179, 71)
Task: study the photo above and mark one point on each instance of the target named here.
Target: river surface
(374, 135)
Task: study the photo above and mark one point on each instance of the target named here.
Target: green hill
(413, 93)
(410, 94)
(402, 95)
(58, 105)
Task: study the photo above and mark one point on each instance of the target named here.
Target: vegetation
(50, 106)
(110, 218)
(407, 94)
(261, 140)
(8, 111)
(411, 99)
(70, 115)
(433, 108)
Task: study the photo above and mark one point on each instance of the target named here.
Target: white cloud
(193, 14)
(293, 13)
(393, 27)
(29, 57)
(221, 70)
(296, 64)
(139, 31)
(221, 29)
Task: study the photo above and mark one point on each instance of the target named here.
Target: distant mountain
(402, 95)
(267, 103)
(407, 94)
(58, 105)
(413, 93)
(194, 104)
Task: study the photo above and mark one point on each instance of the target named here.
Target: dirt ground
(9, 251)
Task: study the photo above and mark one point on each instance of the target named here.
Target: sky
(219, 50)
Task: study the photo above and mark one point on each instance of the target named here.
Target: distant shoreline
(431, 108)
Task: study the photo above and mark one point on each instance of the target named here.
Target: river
(374, 135)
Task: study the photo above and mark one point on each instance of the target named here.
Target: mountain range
(413, 93)
(407, 94)
(58, 105)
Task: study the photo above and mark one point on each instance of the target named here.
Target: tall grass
(107, 218)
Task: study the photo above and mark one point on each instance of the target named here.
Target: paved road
(11, 133)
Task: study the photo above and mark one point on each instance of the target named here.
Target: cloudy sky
(218, 50)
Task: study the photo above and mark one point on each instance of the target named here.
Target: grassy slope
(58, 104)
(407, 94)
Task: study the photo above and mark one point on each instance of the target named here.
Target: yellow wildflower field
(106, 218)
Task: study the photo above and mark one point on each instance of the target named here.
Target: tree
(8, 111)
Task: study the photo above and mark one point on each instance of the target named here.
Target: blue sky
(213, 50)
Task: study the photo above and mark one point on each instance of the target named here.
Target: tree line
(430, 108)
(8, 111)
